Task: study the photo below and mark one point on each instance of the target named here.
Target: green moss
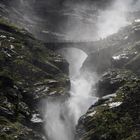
(2, 57)
(134, 136)
(120, 122)
(12, 131)
(110, 125)
(3, 121)
(5, 72)
(10, 24)
(19, 62)
(25, 68)
(119, 96)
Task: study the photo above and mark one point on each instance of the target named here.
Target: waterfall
(62, 117)
(81, 95)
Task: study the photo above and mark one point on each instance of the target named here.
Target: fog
(88, 22)
(115, 17)
(58, 125)
(112, 19)
(58, 20)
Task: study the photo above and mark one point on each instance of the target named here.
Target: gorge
(62, 116)
(69, 70)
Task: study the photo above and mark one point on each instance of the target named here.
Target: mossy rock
(116, 118)
(112, 79)
(29, 72)
(17, 131)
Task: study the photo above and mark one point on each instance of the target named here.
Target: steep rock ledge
(125, 42)
(29, 72)
(116, 115)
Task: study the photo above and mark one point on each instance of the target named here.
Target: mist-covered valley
(69, 70)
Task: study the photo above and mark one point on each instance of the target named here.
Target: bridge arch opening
(75, 57)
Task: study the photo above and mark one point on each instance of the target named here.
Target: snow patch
(46, 89)
(2, 36)
(109, 96)
(91, 114)
(126, 37)
(135, 52)
(118, 57)
(9, 55)
(12, 46)
(115, 104)
(5, 52)
(52, 93)
(35, 118)
(12, 38)
(52, 81)
(42, 89)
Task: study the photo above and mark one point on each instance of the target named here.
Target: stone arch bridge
(87, 47)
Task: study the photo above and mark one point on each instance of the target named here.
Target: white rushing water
(82, 85)
(62, 117)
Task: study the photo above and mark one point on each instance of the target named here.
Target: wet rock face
(111, 80)
(128, 59)
(116, 51)
(115, 116)
(29, 72)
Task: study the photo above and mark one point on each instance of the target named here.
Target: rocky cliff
(116, 115)
(29, 72)
(115, 50)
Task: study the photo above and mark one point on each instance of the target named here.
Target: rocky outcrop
(111, 80)
(29, 72)
(129, 58)
(115, 116)
(121, 44)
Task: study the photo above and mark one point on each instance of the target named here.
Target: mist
(58, 125)
(88, 22)
(112, 19)
(63, 63)
(59, 20)
(82, 25)
(82, 94)
(115, 17)
(60, 116)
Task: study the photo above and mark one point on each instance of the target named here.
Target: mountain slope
(116, 115)
(29, 72)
